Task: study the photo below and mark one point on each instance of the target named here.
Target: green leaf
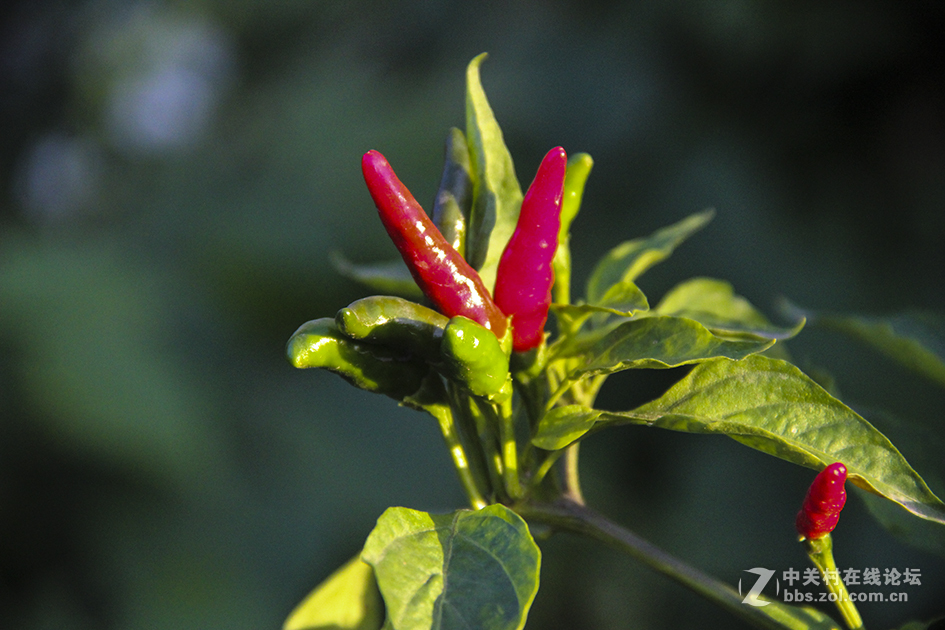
(347, 600)
(461, 570)
(919, 533)
(392, 278)
(562, 426)
(924, 441)
(571, 317)
(713, 304)
(771, 406)
(497, 195)
(661, 342)
(630, 259)
(915, 339)
(629, 302)
(624, 298)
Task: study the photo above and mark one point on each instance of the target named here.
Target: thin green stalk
(470, 414)
(502, 419)
(569, 516)
(469, 436)
(445, 417)
(820, 551)
(558, 393)
(543, 468)
(571, 480)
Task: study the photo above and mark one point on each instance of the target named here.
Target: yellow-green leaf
(347, 600)
(714, 304)
(630, 259)
(771, 406)
(497, 195)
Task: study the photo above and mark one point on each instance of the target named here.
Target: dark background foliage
(175, 176)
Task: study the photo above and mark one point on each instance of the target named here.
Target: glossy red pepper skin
(821, 509)
(525, 274)
(439, 270)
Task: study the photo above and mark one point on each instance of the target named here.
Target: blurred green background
(175, 176)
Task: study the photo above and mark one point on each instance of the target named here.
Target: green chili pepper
(475, 358)
(395, 323)
(579, 169)
(319, 344)
(454, 198)
(825, 498)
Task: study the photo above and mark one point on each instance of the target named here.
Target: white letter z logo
(763, 576)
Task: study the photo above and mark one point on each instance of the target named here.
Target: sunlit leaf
(661, 342)
(714, 304)
(923, 440)
(628, 302)
(771, 406)
(497, 195)
(347, 600)
(562, 426)
(630, 259)
(461, 570)
(390, 278)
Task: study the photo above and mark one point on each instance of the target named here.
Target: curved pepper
(319, 344)
(825, 498)
(442, 274)
(525, 275)
(454, 197)
(394, 323)
(474, 357)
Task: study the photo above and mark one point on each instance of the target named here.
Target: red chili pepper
(442, 274)
(821, 509)
(525, 275)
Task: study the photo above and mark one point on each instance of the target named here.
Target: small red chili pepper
(442, 274)
(821, 509)
(525, 275)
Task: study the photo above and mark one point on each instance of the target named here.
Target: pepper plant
(470, 348)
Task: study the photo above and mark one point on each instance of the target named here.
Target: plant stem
(502, 418)
(485, 437)
(445, 417)
(820, 551)
(572, 480)
(563, 387)
(570, 516)
(543, 468)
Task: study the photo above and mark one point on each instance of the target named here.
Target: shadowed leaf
(461, 570)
